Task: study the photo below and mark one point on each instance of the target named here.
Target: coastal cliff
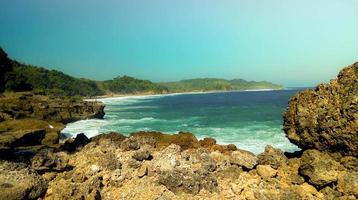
(153, 165)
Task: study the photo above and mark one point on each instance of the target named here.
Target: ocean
(249, 119)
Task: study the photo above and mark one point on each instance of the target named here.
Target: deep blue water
(249, 119)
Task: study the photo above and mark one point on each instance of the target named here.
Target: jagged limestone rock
(326, 118)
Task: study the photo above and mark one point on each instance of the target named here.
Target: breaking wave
(250, 120)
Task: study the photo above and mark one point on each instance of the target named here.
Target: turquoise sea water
(248, 119)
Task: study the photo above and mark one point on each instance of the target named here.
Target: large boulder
(244, 159)
(326, 118)
(273, 157)
(320, 168)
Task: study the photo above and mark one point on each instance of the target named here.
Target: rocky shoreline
(153, 165)
(31, 122)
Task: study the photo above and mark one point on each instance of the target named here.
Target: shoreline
(119, 96)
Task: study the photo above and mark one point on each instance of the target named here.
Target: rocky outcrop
(30, 122)
(113, 166)
(118, 167)
(28, 132)
(320, 168)
(326, 118)
(64, 110)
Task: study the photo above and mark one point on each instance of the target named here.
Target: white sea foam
(259, 90)
(252, 136)
(90, 127)
(132, 121)
(135, 98)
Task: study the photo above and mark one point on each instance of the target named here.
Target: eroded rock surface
(107, 168)
(18, 181)
(326, 118)
(273, 157)
(320, 168)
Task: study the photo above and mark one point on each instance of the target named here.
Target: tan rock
(326, 118)
(350, 163)
(244, 158)
(272, 156)
(289, 173)
(319, 167)
(142, 171)
(266, 171)
(348, 183)
(17, 181)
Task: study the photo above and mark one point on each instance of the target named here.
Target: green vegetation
(43, 81)
(130, 85)
(213, 84)
(20, 77)
(51, 82)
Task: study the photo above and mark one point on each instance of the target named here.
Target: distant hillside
(40, 80)
(19, 77)
(130, 85)
(212, 84)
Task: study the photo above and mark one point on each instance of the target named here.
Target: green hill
(44, 81)
(213, 84)
(18, 77)
(40, 80)
(130, 85)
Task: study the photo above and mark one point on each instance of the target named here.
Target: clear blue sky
(295, 43)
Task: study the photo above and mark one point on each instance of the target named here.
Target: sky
(290, 42)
